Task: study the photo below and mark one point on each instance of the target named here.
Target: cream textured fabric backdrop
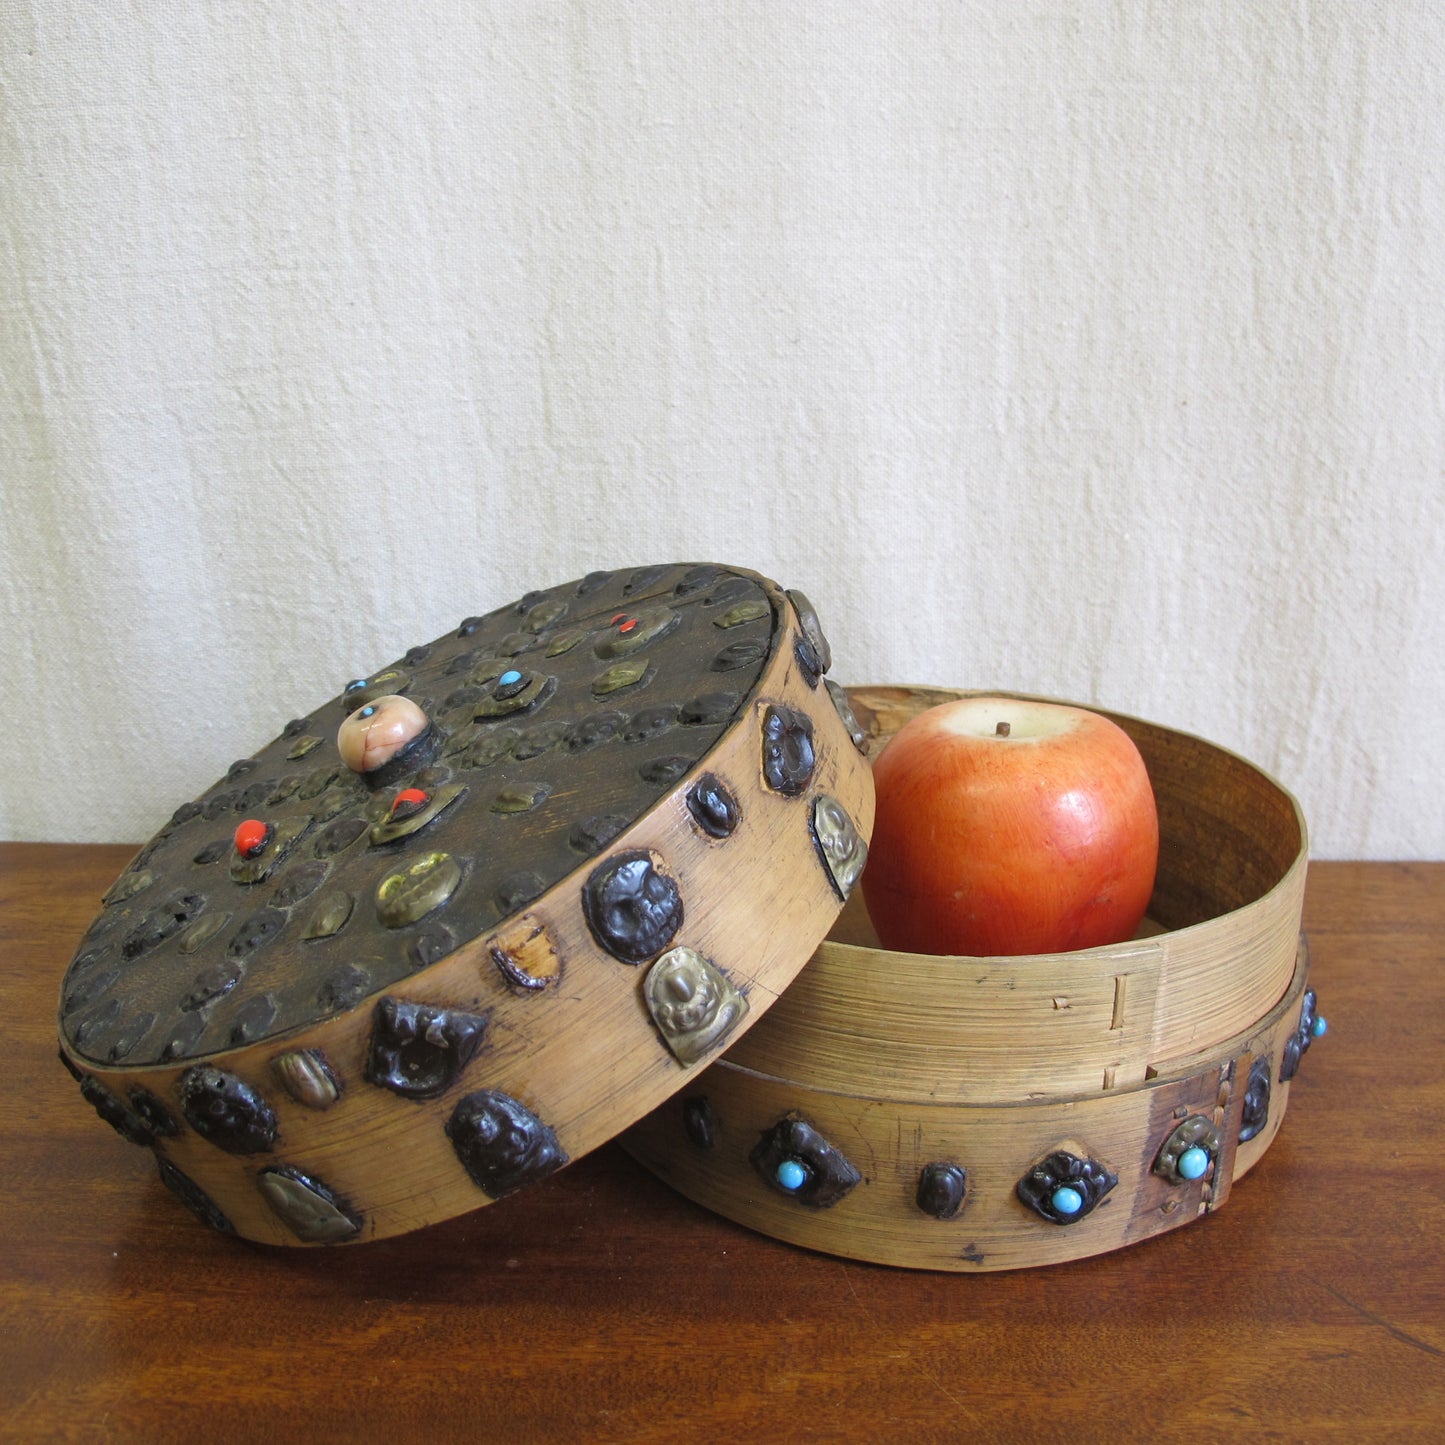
(1085, 349)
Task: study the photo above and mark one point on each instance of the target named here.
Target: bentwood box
(477, 912)
(518, 892)
(944, 1107)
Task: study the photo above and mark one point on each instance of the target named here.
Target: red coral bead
(409, 801)
(251, 837)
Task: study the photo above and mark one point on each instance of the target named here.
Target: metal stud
(125, 1121)
(202, 931)
(632, 906)
(843, 851)
(631, 673)
(700, 1121)
(1065, 1187)
(402, 822)
(813, 634)
(592, 834)
(942, 1188)
(339, 836)
(743, 612)
(747, 653)
(299, 883)
(1309, 1028)
(510, 698)
(307, 1077)
(157, 924)
(628, 632)
(227, 1111)
(521, 797)
(410, 893)
(419, 1050)
(788, 757)
(713, 807)
(564, 642)
(796, 1160)
(343, 988)
(1256, 1101)
(252, 1019)
(692, 1002)
(193, 1196)
(845, 711)
(501, 1144)
(128, 885)
(592, 731)
(256, 867)
(307, 1207)
(1194, 1135)
(665, 770)
(331, 915)
(709, 708)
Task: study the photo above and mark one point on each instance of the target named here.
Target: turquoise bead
(1067, 1200)
(791, 1175)
(1321, 1027)
(509, 677)
(1192, 1163)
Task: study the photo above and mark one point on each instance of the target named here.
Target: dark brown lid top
(295, 887)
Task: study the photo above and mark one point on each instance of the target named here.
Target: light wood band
(890, 1143)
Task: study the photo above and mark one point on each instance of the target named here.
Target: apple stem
(1002, 730)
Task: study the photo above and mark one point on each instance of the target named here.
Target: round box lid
(481, 911)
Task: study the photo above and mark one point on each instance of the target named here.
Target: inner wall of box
(1227, 834)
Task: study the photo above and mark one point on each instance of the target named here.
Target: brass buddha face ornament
(692, 1003)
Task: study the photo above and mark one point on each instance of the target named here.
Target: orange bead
(409, 801)
(251, 837)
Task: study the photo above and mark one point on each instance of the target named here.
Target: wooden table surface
(600, 1306)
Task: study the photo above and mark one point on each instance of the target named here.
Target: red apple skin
(1042, 841)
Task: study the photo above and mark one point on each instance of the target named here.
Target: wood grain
(601, 1306)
